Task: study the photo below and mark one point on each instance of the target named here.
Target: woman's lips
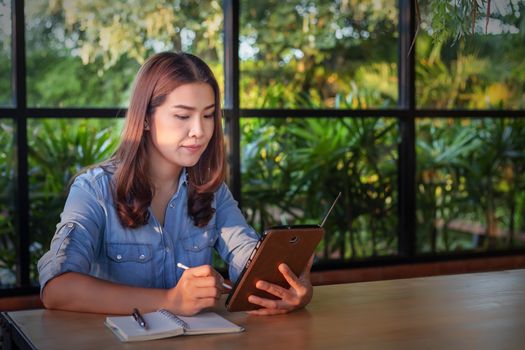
(192, 148)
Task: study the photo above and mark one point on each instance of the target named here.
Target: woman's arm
(236, 238)
(74, 291)
(198, 288)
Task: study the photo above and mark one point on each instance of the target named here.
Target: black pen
(138, 317)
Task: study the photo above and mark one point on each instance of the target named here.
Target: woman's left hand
(297, 296)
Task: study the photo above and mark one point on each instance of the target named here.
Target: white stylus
(184, 267)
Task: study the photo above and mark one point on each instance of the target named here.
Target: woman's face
(181, 127)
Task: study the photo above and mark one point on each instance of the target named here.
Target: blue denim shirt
(90, 239)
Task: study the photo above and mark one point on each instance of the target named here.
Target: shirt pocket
(199, 239)
(131, 263)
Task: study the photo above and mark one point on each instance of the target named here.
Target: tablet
(292, 245)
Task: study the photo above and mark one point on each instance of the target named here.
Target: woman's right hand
(199, 288)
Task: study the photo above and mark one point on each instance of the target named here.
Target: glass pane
(292, 169)
(86, 53)
(470, 184)
(323, 54)
(481, 71)
(6, 90)
(7, 206)
(58, 149)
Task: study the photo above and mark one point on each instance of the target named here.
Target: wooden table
(470, 311)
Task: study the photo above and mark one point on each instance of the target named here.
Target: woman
(160, 200)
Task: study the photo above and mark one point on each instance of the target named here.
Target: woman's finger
(267, 303)
(273, 289)
(203, 271)
(208, 292)
(204, 282)
(267, 312)
(203, 303)
(290, 277)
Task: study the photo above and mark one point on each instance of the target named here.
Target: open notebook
(164, 324)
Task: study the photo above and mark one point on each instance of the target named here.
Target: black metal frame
(22, 188)
(407, 129)
(231, 93)
(406, 113)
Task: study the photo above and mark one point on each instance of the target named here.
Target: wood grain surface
(468, 311)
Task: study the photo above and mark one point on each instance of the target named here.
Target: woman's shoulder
(223, 194)
(222, 189)
(96, 178)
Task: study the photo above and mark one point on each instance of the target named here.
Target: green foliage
(7, 197)
(292, 169)
(136, 28)
(63, 81)
(484, 73)
(480, 67)
(455, 20)
(303, 54)
(78, 49)
(5, 81)
(470, 172)
(5, 54)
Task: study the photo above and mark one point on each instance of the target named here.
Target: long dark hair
(133, 191)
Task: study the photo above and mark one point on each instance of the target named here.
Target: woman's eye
(182, 116)
(209, 116)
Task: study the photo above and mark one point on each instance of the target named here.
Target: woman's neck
(164, 176)
(166, 182)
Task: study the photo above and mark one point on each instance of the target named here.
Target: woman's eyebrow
(190, 108)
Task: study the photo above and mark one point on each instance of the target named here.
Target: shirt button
(167, 250)
(172, 205)
(142, 257)
(69, 225)
(119, 257)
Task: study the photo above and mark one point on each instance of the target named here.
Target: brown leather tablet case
(293, 245)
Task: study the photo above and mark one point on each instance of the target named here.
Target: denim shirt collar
(183, 181)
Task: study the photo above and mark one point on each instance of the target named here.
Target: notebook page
(158, 327)
(209, 323)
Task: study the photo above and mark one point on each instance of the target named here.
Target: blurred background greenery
(340, 54)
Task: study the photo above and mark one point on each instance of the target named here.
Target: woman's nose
(196, 129)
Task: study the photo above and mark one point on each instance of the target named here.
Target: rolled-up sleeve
(236, 238)
(76, 239)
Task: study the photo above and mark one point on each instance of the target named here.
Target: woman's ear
(146, 124)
